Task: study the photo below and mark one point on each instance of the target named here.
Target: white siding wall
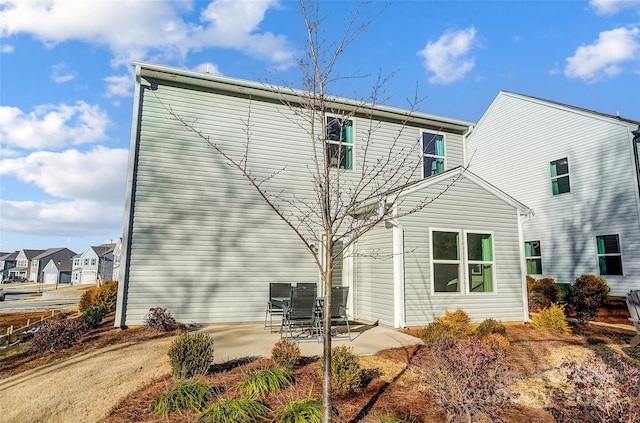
(512, 147)
(464, 206)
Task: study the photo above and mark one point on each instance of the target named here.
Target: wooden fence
(18, 334)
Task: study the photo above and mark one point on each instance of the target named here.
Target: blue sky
(66, 79)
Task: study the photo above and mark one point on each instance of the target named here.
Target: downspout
(464, 145)
(636, 155)
(399, 318)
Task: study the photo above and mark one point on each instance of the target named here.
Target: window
(86, 262)
(339, 142)
(609, 256)
(76, 262)
(480, 262)
(446, 261)
(93, 261)
(432, 153)
(533, 256)
(560, 176)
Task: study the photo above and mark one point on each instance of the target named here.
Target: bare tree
(345, 203)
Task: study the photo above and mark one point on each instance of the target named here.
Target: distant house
(7, 263)
(38, 262)
(117, 257)
(200, 241)
(23, 265)
(57, 271)
(579, 171)
(93, 265)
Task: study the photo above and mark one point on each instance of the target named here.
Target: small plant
(235, 410)
(587, 295)
(260, 383)
(346, 375)
(490, 326)
(58, 334)
(107, 295)
(184, 396)
(447, 328)
(93, 315)
(595, 391)
(308, 410)
(191, 355)
(551, 319)
(86, 300)
(286, 353)
(544, 292)
(160, 319)
(495, 341)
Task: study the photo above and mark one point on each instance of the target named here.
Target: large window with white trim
(446, 261)
(433, 155)
(480, 262)
(339, 142)
(609, 255)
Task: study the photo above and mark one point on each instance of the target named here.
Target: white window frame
(619, 254)
(469, 262)
(564, 175)
(435, 156)
(459, 262)
(532, 257)
(342, 143)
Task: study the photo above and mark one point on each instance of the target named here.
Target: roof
(10, 256)
(103, 249)
(32, 253)
(579, 109)
(293, 96)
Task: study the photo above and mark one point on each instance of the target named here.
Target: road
(29, 297)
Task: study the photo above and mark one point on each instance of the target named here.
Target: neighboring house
(37, 263)
(199, 241)
(93, 265)
(57, 271)
(578, 171)
(23, 265)
(117, 257)
(7, 263)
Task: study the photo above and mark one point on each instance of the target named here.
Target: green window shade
(348, 132)
(479, 247)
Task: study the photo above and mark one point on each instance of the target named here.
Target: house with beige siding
(579, 171)
(201, 242)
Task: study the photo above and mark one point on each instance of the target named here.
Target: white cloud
(610, 7)
(52, 126)
(604, 57)
(60, 73)
(208, 67)
(96, 176)
(6, 48)
(138, 29)
(448, 59)
(119, 85)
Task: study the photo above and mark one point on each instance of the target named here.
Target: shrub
(160, 319)
(286, 353)
(587, 295)
(300, 411)
(235, 410)
(86, 300)
(191, 355)
(260, 383)
(184, 396)
(490, 326)
(93, 315)
(447, 328)
(595, 391)
(530, 282)
(58, 334)
(346, 375)
(545, 292)
(495, 341)
(466, 379)
(551, 319)
(107, 295)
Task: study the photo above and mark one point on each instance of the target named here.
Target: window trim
(532, 257)
(618, 254)
(435, 156)
(459, 262)
(483, 262)
(557, 177)
(344, 144)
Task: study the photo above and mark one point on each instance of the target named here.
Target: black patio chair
(299, 312)
(279, 295)
(339, 297)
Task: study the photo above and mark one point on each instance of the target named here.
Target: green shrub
(107, 295)
(346, 375)
(551, 319)
(184, 396)
(86, 300)
(587, 295)
(160, 319)
(545, 292)
(490, 326)
(93, 315)
(286, 353)
(191, 355)
(58, 334)
(308, 410)
(565, 289)
(447, 328)
(235, 410)
(260, 383)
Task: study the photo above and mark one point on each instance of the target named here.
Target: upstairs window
(339, 142)
(533, 255)
(609, 255)
(560, 176)
(480, 262)
(432, 153)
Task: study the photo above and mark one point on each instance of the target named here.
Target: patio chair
(633, 304)
(299, 312)
(279, 294)
(307, 285)
(339, 297)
